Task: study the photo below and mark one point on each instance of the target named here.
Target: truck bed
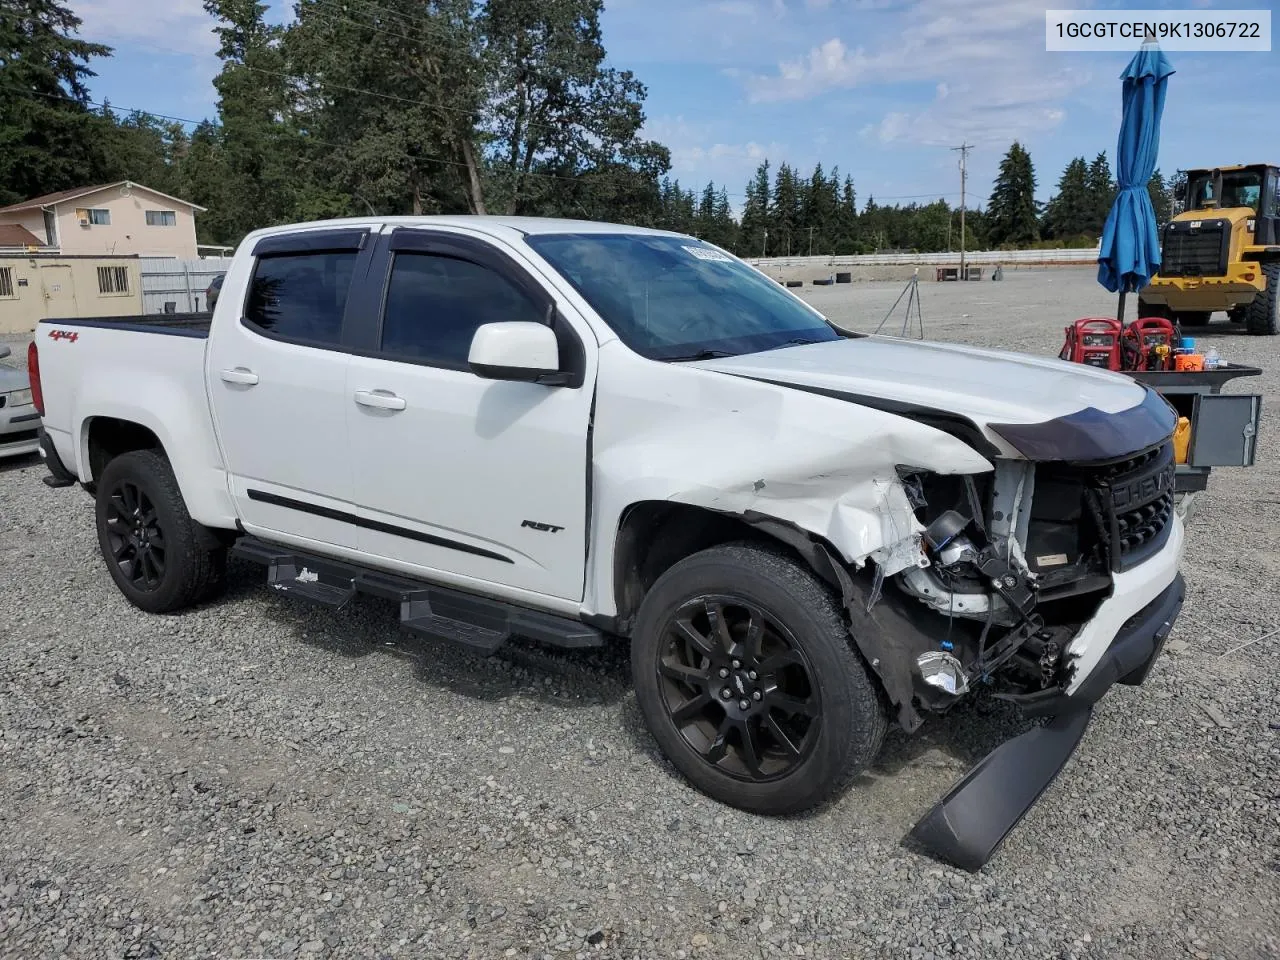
(169, 324)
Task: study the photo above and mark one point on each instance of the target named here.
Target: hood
(1000, 393)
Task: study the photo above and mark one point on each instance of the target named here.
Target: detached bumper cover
(971, 822)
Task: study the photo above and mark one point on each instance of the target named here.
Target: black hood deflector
(1088, 435)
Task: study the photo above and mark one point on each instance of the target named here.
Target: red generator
(1147, 344)
(1095, 341)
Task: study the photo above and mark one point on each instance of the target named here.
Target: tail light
(33, 371)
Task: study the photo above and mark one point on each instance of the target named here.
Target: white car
(584, 433)
(19, 421)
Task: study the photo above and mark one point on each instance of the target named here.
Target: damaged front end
(994, 585)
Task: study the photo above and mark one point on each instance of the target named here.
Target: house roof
(63, 196)
(16, 235)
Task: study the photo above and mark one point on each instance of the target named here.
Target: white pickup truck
(578, 433)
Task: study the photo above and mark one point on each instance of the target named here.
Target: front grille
(1200, 252)
(1132, 501)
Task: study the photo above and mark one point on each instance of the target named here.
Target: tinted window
(436, 303)
(301, 296)
(675, 298)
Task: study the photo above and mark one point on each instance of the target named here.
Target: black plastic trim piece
(312, 241)
(970, 823)
(193, 325)
(25, 418)
(343, 517)
(548, 378)
(1090, 435)
(59, 475)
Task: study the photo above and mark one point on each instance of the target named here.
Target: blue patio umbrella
(1130, 252)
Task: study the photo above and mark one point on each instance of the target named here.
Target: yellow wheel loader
(1222, 252)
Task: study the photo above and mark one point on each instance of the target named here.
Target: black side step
(478, 624)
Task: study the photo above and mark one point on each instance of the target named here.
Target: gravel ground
(262, 779)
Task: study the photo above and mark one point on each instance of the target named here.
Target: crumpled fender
(740, 446)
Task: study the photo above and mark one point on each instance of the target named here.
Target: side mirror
(517, 350)
(5, 350)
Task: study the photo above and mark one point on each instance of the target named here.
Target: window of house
(161, 218)
(100, 218)
(50, 228)
(435, 304)
(301, 296)
(113, 280)
(6, 282)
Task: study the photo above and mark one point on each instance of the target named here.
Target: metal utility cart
(1224, 427)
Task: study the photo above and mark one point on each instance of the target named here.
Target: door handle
(239, 375)
(379, 399)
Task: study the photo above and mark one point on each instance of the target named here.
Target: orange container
(1189, 361)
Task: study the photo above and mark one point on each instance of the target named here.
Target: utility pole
(764, 250)
(963, 149)
(811, 241)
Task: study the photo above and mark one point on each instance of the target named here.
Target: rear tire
(802, 716)
(1263, 318)
(154, 551)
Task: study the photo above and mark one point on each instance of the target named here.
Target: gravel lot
(261, 779)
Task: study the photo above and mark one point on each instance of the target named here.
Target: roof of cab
(529, 226)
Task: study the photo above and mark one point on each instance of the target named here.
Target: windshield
(675, 298)
(1240, 188)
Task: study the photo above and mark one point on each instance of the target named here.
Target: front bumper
(1243, 281)
(19, 430)
(971, 822)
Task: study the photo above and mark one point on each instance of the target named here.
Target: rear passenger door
(460, 478)
(276, 374)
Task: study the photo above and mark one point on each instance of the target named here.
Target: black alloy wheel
(134, 536)
(749, 682)
(738, 688)
(158, 556)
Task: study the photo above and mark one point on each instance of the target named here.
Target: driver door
(455, 474)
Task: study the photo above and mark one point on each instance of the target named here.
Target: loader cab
(1224, 188)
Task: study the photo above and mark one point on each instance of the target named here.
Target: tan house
(114, 219)
(35, 287)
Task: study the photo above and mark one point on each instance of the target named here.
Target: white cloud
(156, 26)
(992, 79)
(697, 154)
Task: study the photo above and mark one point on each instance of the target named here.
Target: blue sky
(880, 88)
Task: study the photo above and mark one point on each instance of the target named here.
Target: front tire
(154, 551)
(747, 678)
(1263, 318)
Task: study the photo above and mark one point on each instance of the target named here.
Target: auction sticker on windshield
(706, 253)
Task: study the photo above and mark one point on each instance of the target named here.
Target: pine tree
(1012, 211)
(784, 214)
(1161, 198)
(1069, 214)
(50, 139)
(752, 236)
(1102, 193)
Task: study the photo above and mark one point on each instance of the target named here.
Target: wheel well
(109, 437)
(655, 536)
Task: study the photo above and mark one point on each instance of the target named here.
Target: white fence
(976, 257)
(177, 286)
